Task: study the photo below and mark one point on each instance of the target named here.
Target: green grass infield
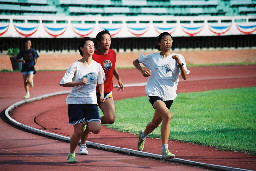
(225, 119)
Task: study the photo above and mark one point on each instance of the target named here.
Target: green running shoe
(27, 96)
(32, 85)
(141, 142)
(71, 158)
(166, 154)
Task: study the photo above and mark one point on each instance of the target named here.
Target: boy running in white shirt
(83, 75)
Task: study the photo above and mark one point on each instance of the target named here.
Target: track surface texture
(23, 150)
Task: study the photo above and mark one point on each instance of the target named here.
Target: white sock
(27, 93)
(164, 146)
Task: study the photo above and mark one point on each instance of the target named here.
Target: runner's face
(105, 41)
(28, 44)
(88, 48)
(166, 43)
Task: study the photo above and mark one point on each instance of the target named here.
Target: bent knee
(167, 117)
(108, 120)
(111, 120)
(94, 131)
(94, 127)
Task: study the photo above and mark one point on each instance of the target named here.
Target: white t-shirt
(164, 77)
(84, 94)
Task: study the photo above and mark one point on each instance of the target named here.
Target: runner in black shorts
(163, 70)
(83, 75)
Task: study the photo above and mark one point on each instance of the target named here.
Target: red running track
(51, 113)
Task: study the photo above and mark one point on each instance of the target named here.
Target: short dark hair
(26, 40)
(99, 35)
(159, 38)
(82, 43)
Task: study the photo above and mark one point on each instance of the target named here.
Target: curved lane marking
(104, 146)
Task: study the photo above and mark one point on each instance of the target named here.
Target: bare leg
(84, 135)
(164, 112)
(157, 119)
(26, 84)
(75, 137)
(109, 112)
(93, 127)
(30, 78)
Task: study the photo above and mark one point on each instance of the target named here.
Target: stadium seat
(134, 2)
(129, 7)
(196, 10)
(87, 2)
(153, 10)
(10, 7)
(42, 9)
(116, 10)
(42, 2)
(194, 3)
(240, 3)
(85, 10)
(158, 2)
(9, 1)
(64, 2)
(247, 10)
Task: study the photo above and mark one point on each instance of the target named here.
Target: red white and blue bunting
(55, 31)
(219, 29)
(160, 29)
(137, 31)
(246, 28)
(126, 29)
(112, 30)
(192, 30)
(3, 29)
(83, 31)
(26, 30)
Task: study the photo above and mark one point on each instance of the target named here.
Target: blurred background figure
(28, 57)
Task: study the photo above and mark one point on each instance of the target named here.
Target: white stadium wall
(123, 27)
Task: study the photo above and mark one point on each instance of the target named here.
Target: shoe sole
(84, 154)
(168, 157)
(72, 162)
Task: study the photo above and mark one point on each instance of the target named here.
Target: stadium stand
(134, 2)
(87, 2)
(129, 7)
(26, 7)
(144, 12)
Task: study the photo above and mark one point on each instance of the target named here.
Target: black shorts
(153, 99)
(105, 95)
(80, 113)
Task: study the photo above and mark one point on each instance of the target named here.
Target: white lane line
(104, 146)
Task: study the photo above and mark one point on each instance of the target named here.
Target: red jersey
(108, 64)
